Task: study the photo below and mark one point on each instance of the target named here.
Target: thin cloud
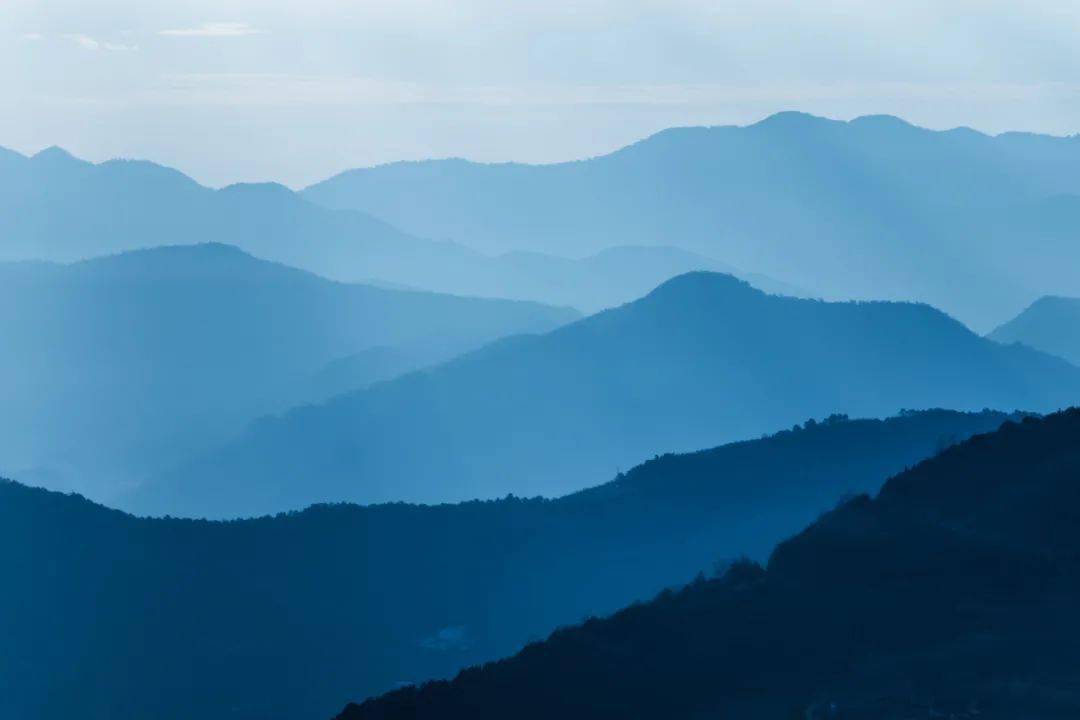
(84, 41)
(32, 36)
(88, 43)
(214, 29)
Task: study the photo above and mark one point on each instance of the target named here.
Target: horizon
(249, 91)
(29, 154)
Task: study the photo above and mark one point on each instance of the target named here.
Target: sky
(296, 90)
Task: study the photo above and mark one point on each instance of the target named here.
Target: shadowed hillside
(105, 615)
(120, 366)
(845, 209)
(703, 359)
(952, 594)
(1051, 325)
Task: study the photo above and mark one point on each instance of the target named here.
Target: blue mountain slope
(56, 207)
(1051, 324)
(113, 367)
(874, 207)
(286, 618)
(950, 594)
(702, 359)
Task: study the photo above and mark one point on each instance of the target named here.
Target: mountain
(362, 369)
(951, 594)
(105, 615)
(120, 366)
(1051, 324)
(56, 207)
(703, 359)
(872, 208)
(610, 277)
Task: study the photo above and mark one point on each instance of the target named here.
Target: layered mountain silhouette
(56, 207)
(979, 226)
(363, 369)
(105, 615)
(609, 277)
(1051, 324)
(703, 359)
(951, 594)
(120, 366)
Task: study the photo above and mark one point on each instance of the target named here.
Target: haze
(242, 90)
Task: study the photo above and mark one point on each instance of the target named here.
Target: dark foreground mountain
(953, 594)
(873, 208)
(1052, 325)
(108, 616)
(701, 360)
(120, 366)
(59, 208)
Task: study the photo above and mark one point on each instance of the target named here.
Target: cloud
(84, 41)
(88, 43)
(32, 36)
(214, 29)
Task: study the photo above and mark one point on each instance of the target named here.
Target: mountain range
(1051, 324)
(703, 359)
(121, 366)
(951, 594)
(977, 225)
(349, 438)
(105, 615)
(56, 207)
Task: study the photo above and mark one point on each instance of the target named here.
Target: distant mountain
(703, 359)
(1051, 324)
(953, 594)
(286, 618)
(59, 208)
(360, 370)
(119, 366)
(608, 278)
(875, 207)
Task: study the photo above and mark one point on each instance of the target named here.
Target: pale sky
(296, 90)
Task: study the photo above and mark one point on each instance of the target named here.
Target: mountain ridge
(116, 366)
(843, 209)
(703, 359)
(341, 594)
(947, 594)
(66, 209)
(1050, 324)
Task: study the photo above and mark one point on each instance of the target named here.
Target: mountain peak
(702, 286)
(258, 188)
(881, 121)
(1048, 324)
(142, 171)
(1056, 300)
(203, 259)
(9, 153)
(261, 193)
(793, 120)
(55, 154)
